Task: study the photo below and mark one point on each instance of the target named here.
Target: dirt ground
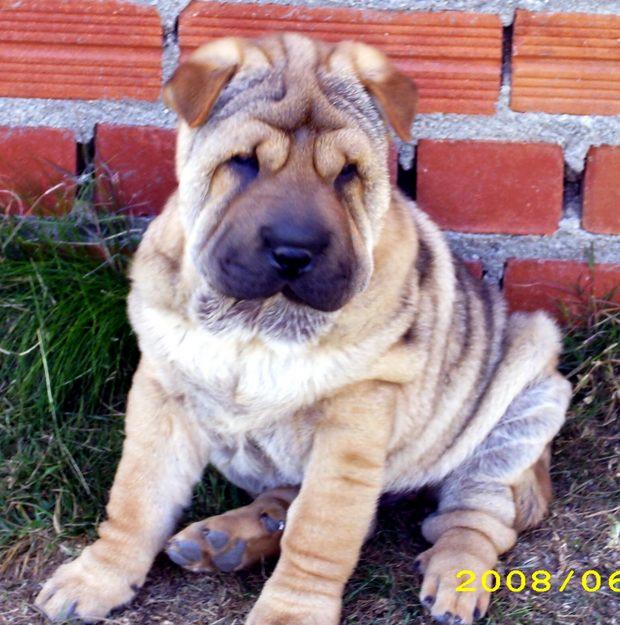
(579, 534)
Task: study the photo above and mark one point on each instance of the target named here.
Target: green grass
(66, 358)
(67, 355)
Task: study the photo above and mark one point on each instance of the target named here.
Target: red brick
(566, 63)
(136, 167)
(454, 57)
(33, 161)
(601, 199)
(475, 267)
(492, 187)
(559, 286)
(80, 49)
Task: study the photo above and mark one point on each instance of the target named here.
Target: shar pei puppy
(305, 329)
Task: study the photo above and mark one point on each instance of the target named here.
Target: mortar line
(505, 9)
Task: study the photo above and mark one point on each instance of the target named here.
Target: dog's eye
(246, 164)
(348, 172)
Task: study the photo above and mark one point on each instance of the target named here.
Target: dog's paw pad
(185, 553)
(232, 558)
(229, 542)
(216, 538)
(213, 551)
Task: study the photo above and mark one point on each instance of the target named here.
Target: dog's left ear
(394, 92)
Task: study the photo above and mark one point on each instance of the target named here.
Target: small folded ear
(395, 93)
(193, 89)
(397, 98)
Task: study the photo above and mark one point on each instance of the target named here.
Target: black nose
(291, 261)
(293, 247)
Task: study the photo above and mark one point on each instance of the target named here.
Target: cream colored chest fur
(257, 404)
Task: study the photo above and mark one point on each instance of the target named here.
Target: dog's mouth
(319, 290)
(291, 296)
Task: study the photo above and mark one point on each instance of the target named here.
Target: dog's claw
(72, 609)
(428, 601)
(272, 525)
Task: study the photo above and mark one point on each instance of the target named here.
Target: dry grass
(51, 439)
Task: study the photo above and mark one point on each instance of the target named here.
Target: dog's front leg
(330, 518)
(163, 456)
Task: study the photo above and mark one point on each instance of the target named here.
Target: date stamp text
(539, 581)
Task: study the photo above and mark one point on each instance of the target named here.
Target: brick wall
(517, 144)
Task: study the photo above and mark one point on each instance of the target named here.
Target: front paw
(84, 590)
(290, 609)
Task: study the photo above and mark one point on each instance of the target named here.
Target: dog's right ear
(193, 89)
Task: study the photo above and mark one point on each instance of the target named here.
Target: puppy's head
(283, 174)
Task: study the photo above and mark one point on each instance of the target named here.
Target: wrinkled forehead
(297, 90)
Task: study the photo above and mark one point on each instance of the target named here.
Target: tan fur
(419, 378)
(533, 493)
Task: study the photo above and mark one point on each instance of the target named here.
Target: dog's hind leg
(236, 539)
(501, 489)
(532, 493)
